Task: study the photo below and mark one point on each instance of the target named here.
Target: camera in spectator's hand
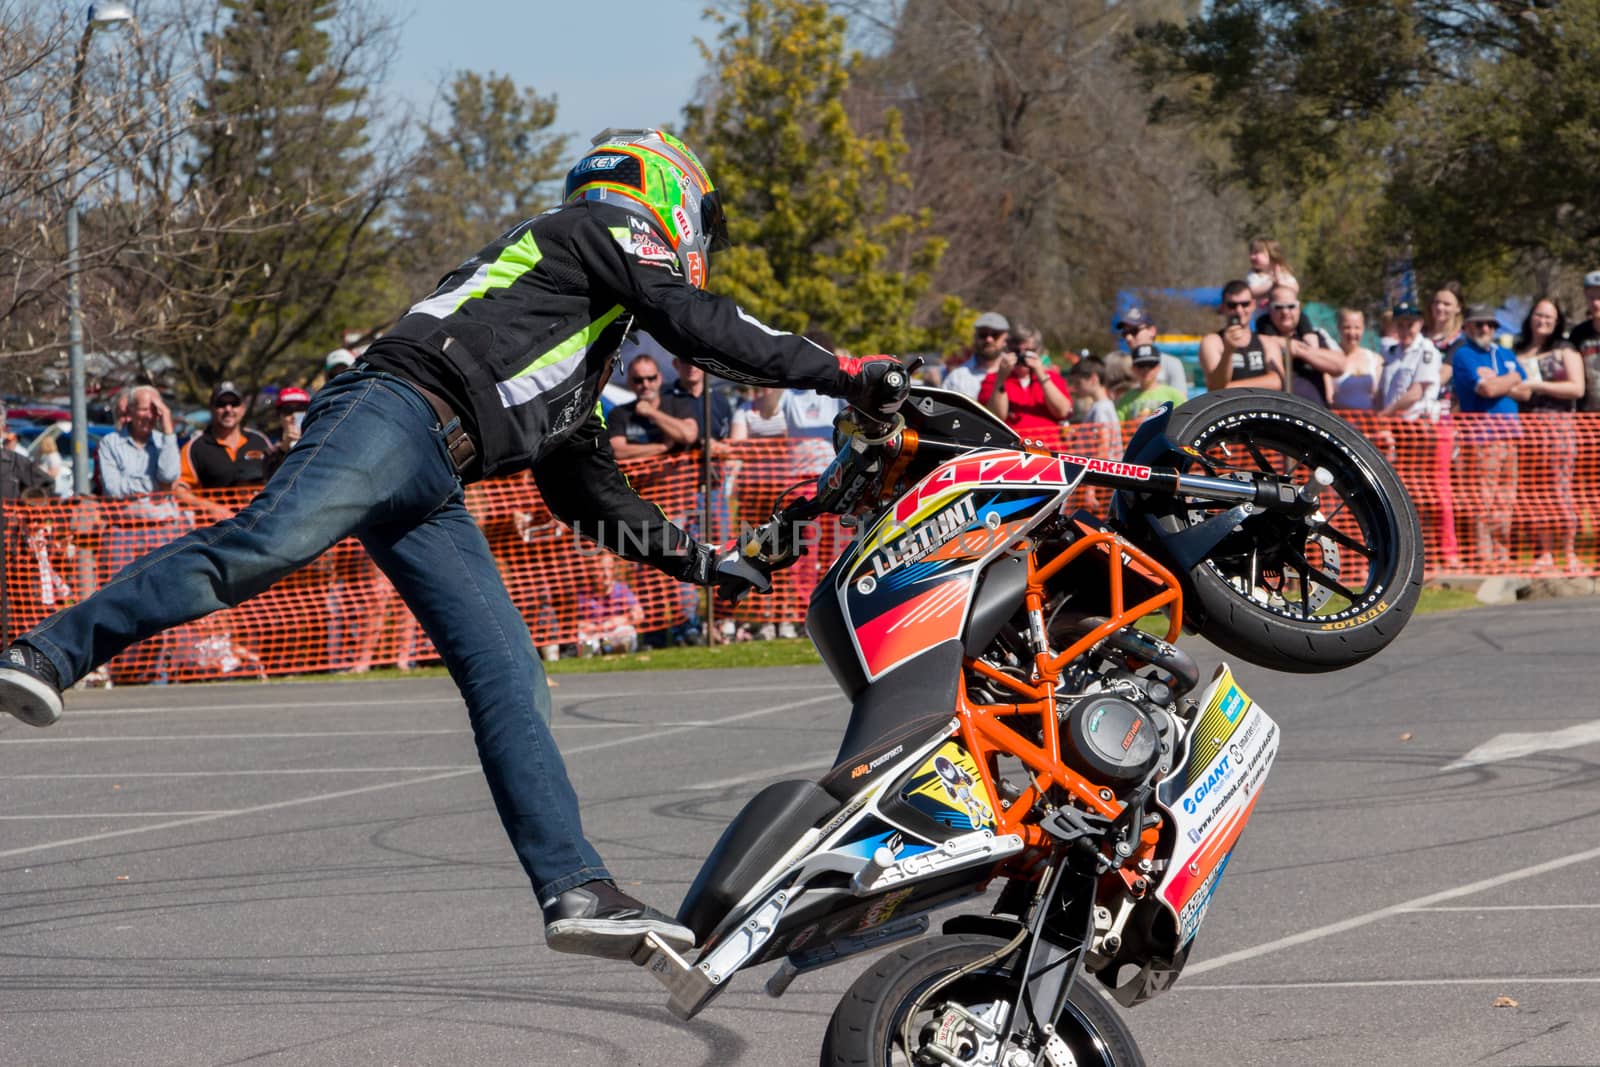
(1235, 320)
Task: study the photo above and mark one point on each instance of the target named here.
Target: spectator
(1586, 339)
(1149, 393)
(684, 400)
(989, 336)
(1485, 377)
(1236, 356)
(17, 473)
(609, 614)
(138, 463)
(761, 416)
(1356, 387)
(1268, 268)
(58, 470)
(1444, 325)
(141, 456)
(1312, 355)
(1030, 398)
(1138, 328)
(1410, 382)
(1025, 338)
(1088, 379)
(642, 427)
(1554, 384)
(1410, 389)
(291, 408)
(225, 456)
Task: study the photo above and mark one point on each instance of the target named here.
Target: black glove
(731, 573)
(875, 385)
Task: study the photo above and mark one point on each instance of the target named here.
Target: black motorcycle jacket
(520, 340)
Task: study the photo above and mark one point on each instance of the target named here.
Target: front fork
(1045, 949)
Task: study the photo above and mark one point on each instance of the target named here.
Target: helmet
(653, 174)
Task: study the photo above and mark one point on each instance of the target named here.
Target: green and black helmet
(652, 173)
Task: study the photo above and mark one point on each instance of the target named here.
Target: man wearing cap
(1585, 338)
(227, 454)
(1138, 328)
(1149, 392)
(1485, 376)
(1410, 385)
(989, 336)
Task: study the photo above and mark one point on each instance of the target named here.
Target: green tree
(818, 242)
(1469, 127)
(283, 130)
(494, 164)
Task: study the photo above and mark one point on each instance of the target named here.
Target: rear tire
(866, 1026)
(1293, 594)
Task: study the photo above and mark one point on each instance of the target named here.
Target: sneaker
(30, 689)
(787, 631)
(598, 919)
(767, 631)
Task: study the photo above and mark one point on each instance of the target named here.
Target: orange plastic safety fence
(1496, 495)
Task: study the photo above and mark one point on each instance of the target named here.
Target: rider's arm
(583, 487)
(708, 330)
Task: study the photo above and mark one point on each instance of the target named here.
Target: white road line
(300, 734)
(117, 815)
(317, 798)
(445, 697)
(1517, 745)
(296, 735)
(1383, 983)
(1513, 907)
(120, 775)
(1357, 921)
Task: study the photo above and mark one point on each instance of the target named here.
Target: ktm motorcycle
(1017, 732)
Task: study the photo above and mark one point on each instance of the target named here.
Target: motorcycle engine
(1108, 738)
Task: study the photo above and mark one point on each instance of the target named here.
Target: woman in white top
(1357, 387)
(761, 417)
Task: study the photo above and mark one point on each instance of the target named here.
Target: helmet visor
(713, 223)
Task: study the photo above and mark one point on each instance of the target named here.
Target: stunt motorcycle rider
(498, 370)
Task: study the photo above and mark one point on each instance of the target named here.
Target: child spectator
(609, 614)
(1268, 268)
(1148, 394)
(1088, 378)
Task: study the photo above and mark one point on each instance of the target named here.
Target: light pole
(106, 14)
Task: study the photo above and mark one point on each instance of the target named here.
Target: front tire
(866, 1027)
(1298, 593)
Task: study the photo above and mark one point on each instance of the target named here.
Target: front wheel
(1297, 592)
(868, 1027)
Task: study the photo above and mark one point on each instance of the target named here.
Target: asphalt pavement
(312, 873)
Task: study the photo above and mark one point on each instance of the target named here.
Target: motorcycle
(1015, 727)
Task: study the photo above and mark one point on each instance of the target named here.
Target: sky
(625, 63)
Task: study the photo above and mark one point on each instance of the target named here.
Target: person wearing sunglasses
(499, 370)
(1314, 357)
(990, 335)
(642, 427)
(1138, 330)
(1236, 356)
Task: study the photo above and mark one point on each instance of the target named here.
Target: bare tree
(1031, 147)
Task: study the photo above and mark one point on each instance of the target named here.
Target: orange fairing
(983, 727)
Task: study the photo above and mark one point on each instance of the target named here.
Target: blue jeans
(371, 462)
